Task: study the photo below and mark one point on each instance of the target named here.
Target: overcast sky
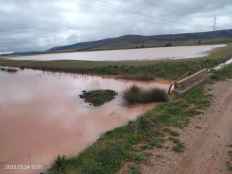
(41, 24)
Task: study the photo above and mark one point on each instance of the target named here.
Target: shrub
(135, 95)
(98, 97)
(60, 164)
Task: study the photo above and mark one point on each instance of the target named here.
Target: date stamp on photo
(23, 167)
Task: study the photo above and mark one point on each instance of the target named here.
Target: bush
(98, 97)
(135, 95)
(60, 164)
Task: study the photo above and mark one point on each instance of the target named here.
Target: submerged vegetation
(135, 95)
(128, 143)
(98, 97)
(140, 70)
(8, 69)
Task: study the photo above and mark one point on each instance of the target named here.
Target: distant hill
(139, 41)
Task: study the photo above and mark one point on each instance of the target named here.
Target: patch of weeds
(134, 169)
(171, 132)
(60, 164)
(229, 162)
(147, 147)
(230, 154)
(135, 95)
(156, 142)
(178, 147)
(222, 74)
(172, 114)
(139, 156)
(229, 165)
(174, 140)
(197, 98)
(98, 97)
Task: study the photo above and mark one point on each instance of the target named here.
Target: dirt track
(206, 139)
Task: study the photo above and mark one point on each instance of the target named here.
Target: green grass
(139, 70)
(135, 95)
(98, 97)
(179, 147)
(118, 146)
(134, 169)
(138, 157)
(229, 162)
(223, 74)
(171, 132)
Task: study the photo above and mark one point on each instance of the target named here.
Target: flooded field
(42, 116)
(131, 54)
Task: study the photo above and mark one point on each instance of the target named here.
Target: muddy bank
(41, 116)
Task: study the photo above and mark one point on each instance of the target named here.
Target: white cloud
(40, 24)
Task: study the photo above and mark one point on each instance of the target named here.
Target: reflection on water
(41, 115)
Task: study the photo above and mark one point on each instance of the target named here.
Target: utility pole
(215, 23)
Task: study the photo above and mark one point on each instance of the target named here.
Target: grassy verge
(139, 70)
(128, 143)
(135, 95)
(223, 74)
(98, 97)
(229, 162)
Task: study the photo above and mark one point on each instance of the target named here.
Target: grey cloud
(41, 24)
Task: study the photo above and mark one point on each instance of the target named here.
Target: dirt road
(207, 140)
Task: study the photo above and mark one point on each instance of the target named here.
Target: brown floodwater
(179, 52)
(42, 116)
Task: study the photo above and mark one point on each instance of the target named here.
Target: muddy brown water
(42, 116)
(179, 52)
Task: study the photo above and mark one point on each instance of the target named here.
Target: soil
(207, 139)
